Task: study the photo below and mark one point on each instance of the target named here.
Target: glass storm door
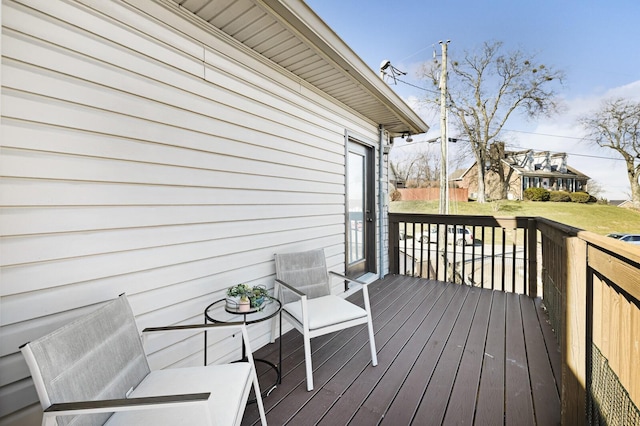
(360, 210)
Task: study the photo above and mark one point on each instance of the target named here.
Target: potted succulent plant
(243, 297)
(258, 296)
(238, 297)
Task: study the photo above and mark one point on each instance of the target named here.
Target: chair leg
(372, 343)
(372, 339)
(256, 388)
(307, 362)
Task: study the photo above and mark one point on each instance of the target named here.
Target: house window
(536, 182)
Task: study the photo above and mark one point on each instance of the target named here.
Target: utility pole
(444, 192)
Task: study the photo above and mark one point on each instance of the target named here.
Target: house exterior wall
(144, 153)
(518, 182)
(470, 181)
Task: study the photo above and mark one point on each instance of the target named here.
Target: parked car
(616, 235)
(458, 235)
(631, 238)
(627, 238)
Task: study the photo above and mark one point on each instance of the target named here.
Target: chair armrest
(344, 277)
(126, 404)
(291, 288)
(195, 327)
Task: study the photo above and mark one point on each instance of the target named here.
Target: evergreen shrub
(536, 194)
(581, 197)
(560, 196)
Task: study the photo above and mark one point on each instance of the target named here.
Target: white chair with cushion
(94, 371)
(303, 285)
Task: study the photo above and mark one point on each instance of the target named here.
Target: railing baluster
(421, 242)
(413, 249)
(437, 253)
(482, 256)
(454, 253)
(473, 256)
(406, 234)
(504, 251)
(493, 258)
(464, 259)
(429, 252)
(513, 260)
(525, 256)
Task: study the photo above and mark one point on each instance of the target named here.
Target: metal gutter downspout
(381, 215)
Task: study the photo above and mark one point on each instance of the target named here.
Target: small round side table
(220, 312)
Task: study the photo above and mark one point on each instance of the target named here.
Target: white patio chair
(94, 371)
(303, 286)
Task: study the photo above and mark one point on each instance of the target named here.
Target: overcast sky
(596, 44)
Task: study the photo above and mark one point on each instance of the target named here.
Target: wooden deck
(447, 354)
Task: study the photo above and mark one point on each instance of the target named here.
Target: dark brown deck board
(364, 384)
(439, 345)
(410, 368)
(435, 400)
(553, 350)
(462, 403)
(490, 403)
(518, 402)
(545, 402)
(384, 309)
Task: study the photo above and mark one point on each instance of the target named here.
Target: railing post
(394, 246)
(532, 230)
(573, 395)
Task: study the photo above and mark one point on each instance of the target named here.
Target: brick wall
(411, 194)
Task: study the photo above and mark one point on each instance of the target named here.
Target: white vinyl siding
(145, 153)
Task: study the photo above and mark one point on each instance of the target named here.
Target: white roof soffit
(290, 34)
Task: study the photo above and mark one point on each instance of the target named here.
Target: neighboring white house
(168, 151)
(526, 169)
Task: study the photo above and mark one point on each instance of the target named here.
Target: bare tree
(402, 170)
(616, 125)
(486, 87)
(415, 169)
(595, 188)
(427, 170)
(504, 173)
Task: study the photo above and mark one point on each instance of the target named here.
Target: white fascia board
(301, 19)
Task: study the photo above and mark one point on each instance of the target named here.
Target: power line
(600, 157)
(526, 132)
(506, 130)
(545, 134)
(433, 46)
(417, 87)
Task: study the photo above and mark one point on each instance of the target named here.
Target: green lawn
(601, 219)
